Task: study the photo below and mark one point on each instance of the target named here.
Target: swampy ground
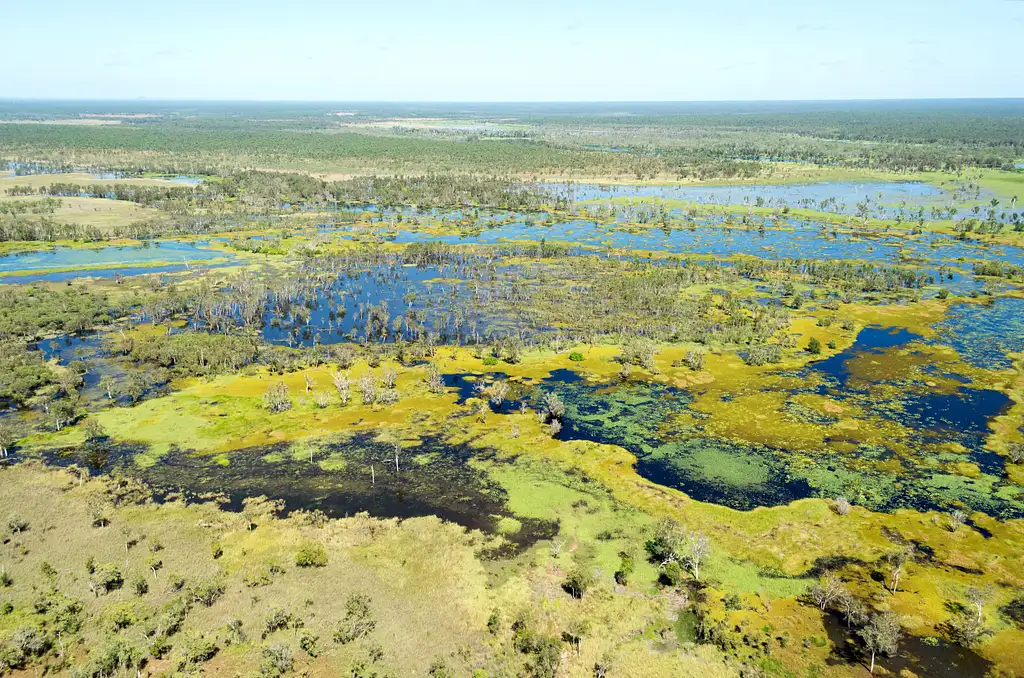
(655, 414)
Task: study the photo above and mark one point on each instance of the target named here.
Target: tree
(956, 519)
(108, 385)
(853, 610)
(829, 590)
(135, 387)
(276, 398)
(343, 386)
(368, 389)
(17, 524)
(7, 439)
(579, 579)
(881, 636)
(697, 548)
(897, 561)
(966, 629)
(667, 543)
(979, 596)
(814, 346)
(553, 406)
(94, 429)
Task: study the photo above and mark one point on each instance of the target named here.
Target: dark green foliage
(206, 593)
(310, 643)
(576, 356)
(197, 650)
(1014, 611)
(27, 311)
(579, 579)
(139, 585)
(814, 346)
(671, 574)
(494, 622)
(626, 568)
(106, 578)
(195, 353)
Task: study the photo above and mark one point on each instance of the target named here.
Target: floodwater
(937, 659)
(126, 255)
(845, 194)
(805, 240)
(340, 478)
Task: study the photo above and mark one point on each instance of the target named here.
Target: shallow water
(984, 334)
(368, 302)
(805, 240)
(345, 477)
(126, 255)
(845, 193)
(939, 660)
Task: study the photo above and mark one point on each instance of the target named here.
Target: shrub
(763, 354)
(311, 554)
(626, 567)
(276, 398)
(580, 579)
(672, 574)
(106, 578)
(695, 360)
(277, 619)
(814, 346)
(358, 620)
(309, 642)
(576, 357)
(206, 593)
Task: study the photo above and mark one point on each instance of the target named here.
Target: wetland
(596, 407)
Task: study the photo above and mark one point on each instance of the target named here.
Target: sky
(519, 50)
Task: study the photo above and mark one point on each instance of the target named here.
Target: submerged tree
(881, 635)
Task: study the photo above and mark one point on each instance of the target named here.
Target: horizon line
(502, 101)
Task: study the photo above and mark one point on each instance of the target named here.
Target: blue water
(150, 251)
(983, 334)
(805, 241)
(846, 194)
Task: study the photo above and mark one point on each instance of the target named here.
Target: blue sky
(524, 50)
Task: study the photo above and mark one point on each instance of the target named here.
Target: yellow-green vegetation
(98, 582)
(429, 414)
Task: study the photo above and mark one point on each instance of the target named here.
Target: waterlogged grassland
(703, 375)
(430, 594)
(768, 556)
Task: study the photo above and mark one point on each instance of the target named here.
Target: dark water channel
(340, 478)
